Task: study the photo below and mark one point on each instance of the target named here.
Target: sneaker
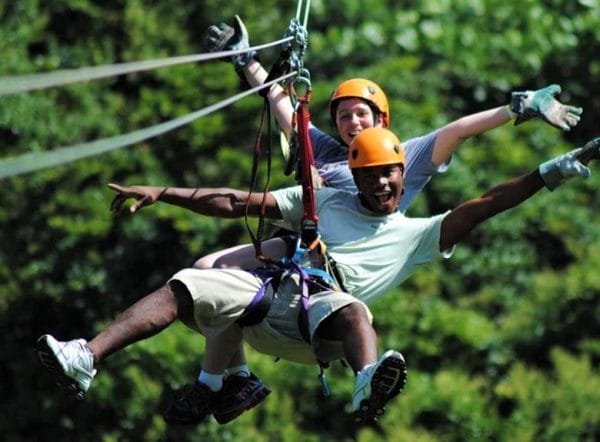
(71, 363)
(377, 386)
(239, 394)
(191, 405)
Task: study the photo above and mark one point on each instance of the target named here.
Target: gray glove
(557, 170)
(543, 104)
(222, 37)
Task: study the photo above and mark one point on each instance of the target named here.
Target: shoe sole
(48, 359)
(388, 381)
(258, 396)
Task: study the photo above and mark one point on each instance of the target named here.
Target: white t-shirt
(373, 253)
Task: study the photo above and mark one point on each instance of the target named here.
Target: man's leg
(72, 363)
(224, 371)
(232, 396)
(377, 380)
(351, 326)
(233, 257)
(244, 256)
(242, 389)
(147, 317)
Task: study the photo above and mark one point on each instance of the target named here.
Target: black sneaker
(238, 395)
(191, 405)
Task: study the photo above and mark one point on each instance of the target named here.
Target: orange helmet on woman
(375, 146)
(365, 89)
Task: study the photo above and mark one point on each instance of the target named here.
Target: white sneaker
(377, 385)
(71, 363)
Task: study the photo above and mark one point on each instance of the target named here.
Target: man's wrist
(511, 114)
(551, 174)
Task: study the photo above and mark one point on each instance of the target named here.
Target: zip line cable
(306, 10)
(10, 85)
(30, 162)
(41, 160)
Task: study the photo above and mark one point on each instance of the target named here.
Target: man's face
(380, 187)
(352, 116)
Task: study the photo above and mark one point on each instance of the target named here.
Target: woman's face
(353, 115)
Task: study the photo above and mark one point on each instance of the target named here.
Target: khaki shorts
(221, 295)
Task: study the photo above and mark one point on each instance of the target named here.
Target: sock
(239, 370)
(212, 381)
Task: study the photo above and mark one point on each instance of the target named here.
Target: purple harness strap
(259, 306)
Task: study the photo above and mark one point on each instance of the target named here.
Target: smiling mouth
(383, 197)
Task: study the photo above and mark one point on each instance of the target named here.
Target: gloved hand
(543, 104)
(591, 151)
(222, 37)
(557, 170)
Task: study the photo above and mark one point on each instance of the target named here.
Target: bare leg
(242, 257)
(148, 316)
(224, 350)
(238, 358)
(233, 257)
(351, 325)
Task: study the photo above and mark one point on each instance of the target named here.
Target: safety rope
(10, 85)
(306, 6)
(40, 160)
(258, 237)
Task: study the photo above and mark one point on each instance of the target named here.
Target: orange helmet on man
(375, 146)
(365, 89)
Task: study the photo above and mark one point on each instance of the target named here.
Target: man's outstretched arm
(216, 202)
(464, 218)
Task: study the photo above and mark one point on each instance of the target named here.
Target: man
(377, 249)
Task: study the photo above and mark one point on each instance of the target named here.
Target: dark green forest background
(502, 341)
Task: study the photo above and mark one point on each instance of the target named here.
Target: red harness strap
(309, 176)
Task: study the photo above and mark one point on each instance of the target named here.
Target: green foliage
(553, 406)
(501, 340)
